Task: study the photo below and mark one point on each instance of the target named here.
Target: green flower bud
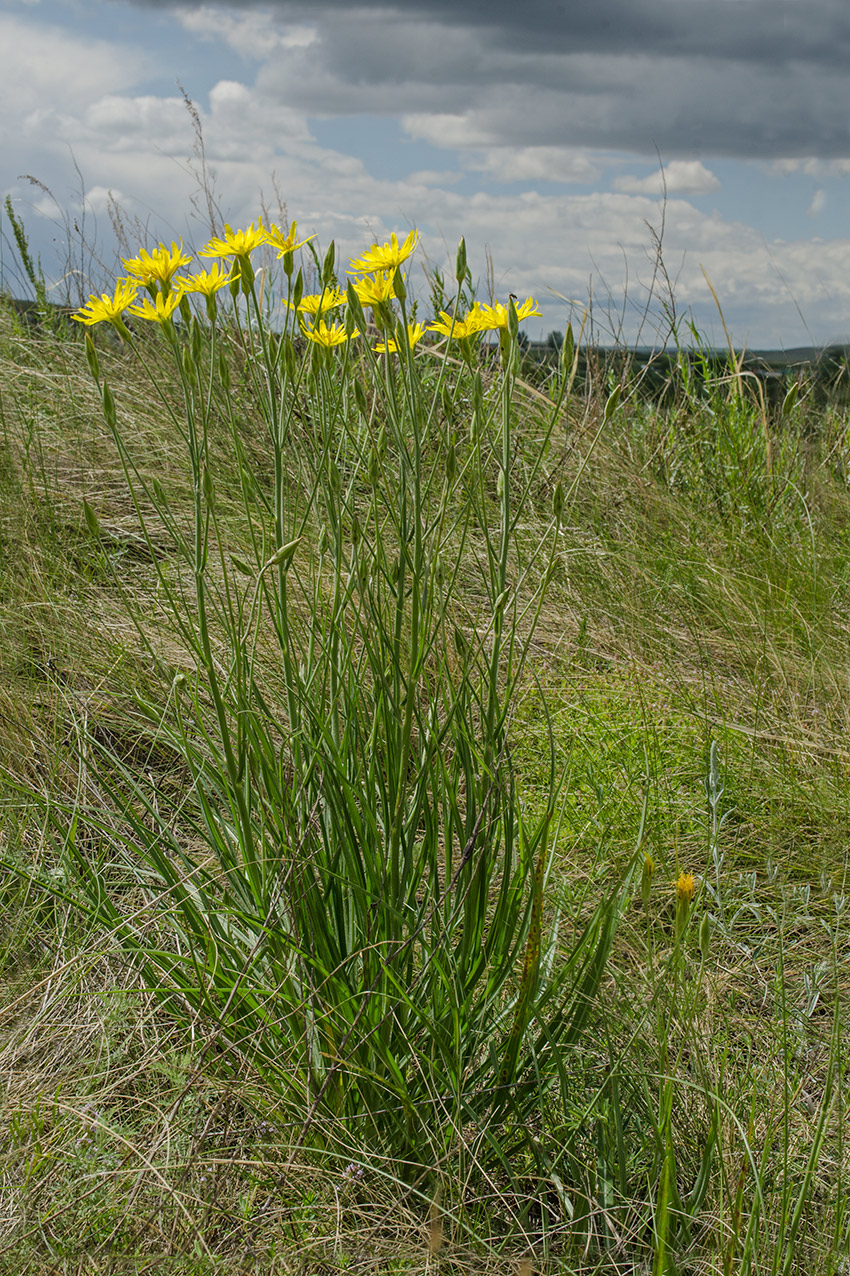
(704, 937)
(355, 307)
(460, 265)
(91, 358)
(108, 406)
(189, 368)
(448, 406)
(298, 289)
(400, 290)
(513, 318)
(92, 520)
(328, 264)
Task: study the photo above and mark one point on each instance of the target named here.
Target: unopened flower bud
(328, 264)
(460, 265)
(91, 358)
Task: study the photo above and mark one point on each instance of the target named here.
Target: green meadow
(424, 794)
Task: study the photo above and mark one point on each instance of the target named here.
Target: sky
(641, 161)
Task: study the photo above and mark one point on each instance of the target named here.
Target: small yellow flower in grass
(158, 267)
(316, 303)
(415, 332)
(376, 289)
(159, 310)
(237, 243)
(497, 316)
(469, 326)
(106, 308)
(286, 243)
(323, 335)
(387, 257)
(206, 282)
(685, 887)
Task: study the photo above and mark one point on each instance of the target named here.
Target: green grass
(683, 697)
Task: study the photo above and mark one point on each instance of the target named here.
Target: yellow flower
(160, 311)
(415, 332)
(388, 257)
(323, 335)
(685, 887)
(104, 307)
(286, 243)
(497, 316)
(237, 243)
(377, 289)
(317, 302)
(160, 266)
(460, 329)
(207, 282)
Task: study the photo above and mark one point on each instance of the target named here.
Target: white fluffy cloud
(679, 177)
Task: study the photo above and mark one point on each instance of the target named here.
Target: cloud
(818, 201)
(726, 78)
(679, 177)
(128, 138)
(251, 33)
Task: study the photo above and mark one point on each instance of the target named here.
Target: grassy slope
(701, 597)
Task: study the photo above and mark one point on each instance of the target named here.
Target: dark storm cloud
(753, 78)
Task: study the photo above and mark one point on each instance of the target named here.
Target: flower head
(104, 307)
(160, 266)
(237, 243)
(685, 887)
(497, 316)
(376, 289)
(316, 303)
(328, 336)
(415, 332)
(161, 309)
(286, 243)
(206, 282)
(470, 326)
(387, 257)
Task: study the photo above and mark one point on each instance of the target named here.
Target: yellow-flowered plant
(158, 267)
(206, 282)
(160, 309)
(386, 257)
(492, 318)
(415, 333)
(237, 243)
(376, 289)
(288, 243)
(322, 659)
(685, 887)
(316, 303)
(327, 335)
(108, 309)
(460, 328)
